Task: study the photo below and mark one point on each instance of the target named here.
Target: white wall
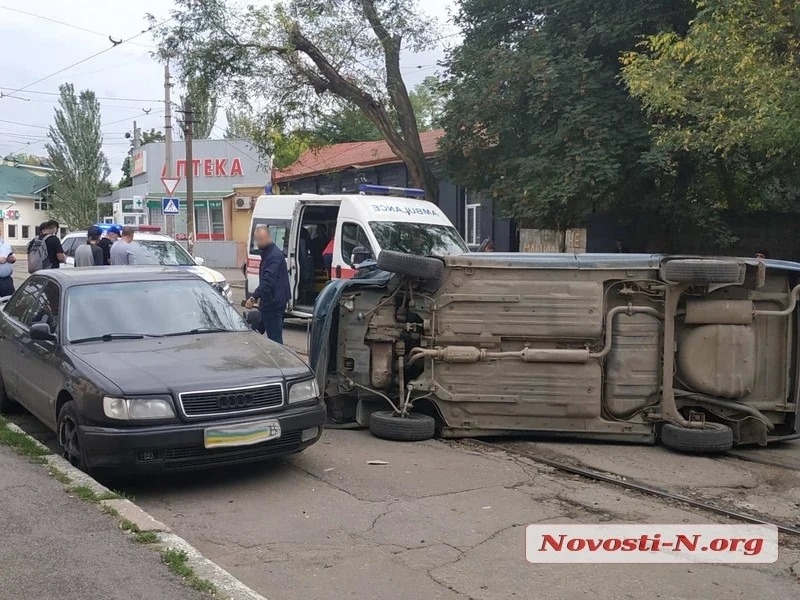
(28, 217)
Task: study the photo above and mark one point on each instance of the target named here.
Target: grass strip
(178, 562)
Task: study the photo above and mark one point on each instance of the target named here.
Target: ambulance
(359, 226)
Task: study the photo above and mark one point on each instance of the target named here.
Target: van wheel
(712, 438)
(7, 405)
(388, 425)
(701, 272)
(419, 267)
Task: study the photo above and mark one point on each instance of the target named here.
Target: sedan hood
(192, 362)
(210, 275)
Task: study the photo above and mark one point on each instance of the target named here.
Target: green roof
(20, 182)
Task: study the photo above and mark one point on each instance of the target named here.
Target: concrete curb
(228, 587)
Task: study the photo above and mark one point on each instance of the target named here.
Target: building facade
(24, 201)
(227, 175)
(341, 168)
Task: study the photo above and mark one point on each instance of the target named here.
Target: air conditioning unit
(243, 203)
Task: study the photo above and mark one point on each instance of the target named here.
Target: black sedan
(148, 368)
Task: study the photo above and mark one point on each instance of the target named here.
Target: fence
(220, 255)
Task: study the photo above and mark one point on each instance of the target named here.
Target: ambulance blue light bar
(104, 227)
(385, 190)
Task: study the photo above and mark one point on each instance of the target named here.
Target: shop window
(217, 221)
(201, 221)
(26, 232)
(12, 231)
(156, 217)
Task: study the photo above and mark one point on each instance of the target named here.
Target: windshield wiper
(107, 337)
(200, 330)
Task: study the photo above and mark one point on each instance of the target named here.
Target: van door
(279, 228)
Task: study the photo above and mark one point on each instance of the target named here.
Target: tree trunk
(405, 144)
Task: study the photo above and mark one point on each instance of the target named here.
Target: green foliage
(75, 152)
(732, 82)
(204, 107)
(148, 137)
(537, 117)
(270, 139)
(429, 98)
(300, 56)
(345, 124)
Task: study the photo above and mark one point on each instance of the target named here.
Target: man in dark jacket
(273, 291)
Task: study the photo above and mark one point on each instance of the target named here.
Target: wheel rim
(70, 442)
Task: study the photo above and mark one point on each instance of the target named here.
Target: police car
(153, 248)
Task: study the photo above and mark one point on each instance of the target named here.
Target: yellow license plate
(242, 434)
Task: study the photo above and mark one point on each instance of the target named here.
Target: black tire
(7, 405)
(419, 267)
(702, 271)
(713, 438)
(387, 425)
(69, 437)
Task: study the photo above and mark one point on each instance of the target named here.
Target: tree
(204, 107)
(732, 82)
(281, 148)
(301, 54)
(343, 124)
(26, 159)
(75, 151)
(537, 117)
(147, 137)
(428, 99)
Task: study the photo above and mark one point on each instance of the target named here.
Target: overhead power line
(114, 45)
(70, 25)
(159, 101)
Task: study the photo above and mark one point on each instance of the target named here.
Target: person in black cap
(105, 243)
(90, 254)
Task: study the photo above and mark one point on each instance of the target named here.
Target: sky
(127, 80)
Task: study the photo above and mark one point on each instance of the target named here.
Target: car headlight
(303, 391)
(133, 409)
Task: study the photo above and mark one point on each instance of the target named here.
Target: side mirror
(41, 332)
(253, 317)
(199, 261)
(359, 255)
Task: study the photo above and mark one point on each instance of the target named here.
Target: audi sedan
(149, 368)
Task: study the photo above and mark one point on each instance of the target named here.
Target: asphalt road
(57, 546)
(440, 520)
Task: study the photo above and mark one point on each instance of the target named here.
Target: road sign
(171, 206)
(170, 184)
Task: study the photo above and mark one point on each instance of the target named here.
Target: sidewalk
(57, 546)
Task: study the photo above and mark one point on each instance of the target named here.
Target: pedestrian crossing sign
(170, 206)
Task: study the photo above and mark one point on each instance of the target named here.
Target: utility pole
(137, 140)
(170, 219)
(188, 123)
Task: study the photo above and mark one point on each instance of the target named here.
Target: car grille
(197, 456)
(232, 402)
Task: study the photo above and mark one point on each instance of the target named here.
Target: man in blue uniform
(273, 291)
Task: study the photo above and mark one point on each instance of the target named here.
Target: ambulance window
(353, 235)
(279, 231)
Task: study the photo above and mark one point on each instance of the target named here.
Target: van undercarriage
(701, 353)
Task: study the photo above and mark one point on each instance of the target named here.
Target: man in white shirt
(7, 259)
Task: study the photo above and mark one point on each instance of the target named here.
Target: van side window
(279, 230)
(353, 235)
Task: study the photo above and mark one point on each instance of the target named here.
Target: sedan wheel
(69, 437)
(7, 405)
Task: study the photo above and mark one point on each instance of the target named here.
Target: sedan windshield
(147, 308)
(418, 238)
(161, 252)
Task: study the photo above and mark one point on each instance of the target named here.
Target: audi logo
(235, 401)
